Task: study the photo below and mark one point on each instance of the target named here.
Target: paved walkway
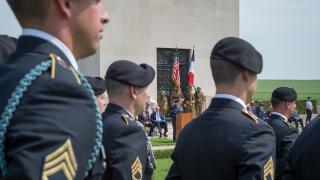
(163, 147)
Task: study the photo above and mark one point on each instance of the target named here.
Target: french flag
(191, 70)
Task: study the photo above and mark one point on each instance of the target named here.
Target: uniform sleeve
(53, 124)
(286, 146)
(258, 154)
(128, 154)
(174, 173)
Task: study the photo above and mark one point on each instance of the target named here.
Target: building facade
(139, 30)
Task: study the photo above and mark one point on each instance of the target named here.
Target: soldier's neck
(232, 91)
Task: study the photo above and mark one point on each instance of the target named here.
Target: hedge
(163, 153)
(301, 105)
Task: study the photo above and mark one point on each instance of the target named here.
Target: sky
(8, 23)
(285, 32)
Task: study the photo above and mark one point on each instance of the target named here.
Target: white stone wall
(138, 27)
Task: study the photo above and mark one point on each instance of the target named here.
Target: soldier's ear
(64, 6)
(133, 92)
(245, 75)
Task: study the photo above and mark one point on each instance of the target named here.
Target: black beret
(97, 84)
(238, 52)
(130, 73)
(284, 94)
(7, 46)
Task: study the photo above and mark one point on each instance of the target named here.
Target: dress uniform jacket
(54, 124)
(286, 134)
(224, 142)
(125, 143)
(304, 157)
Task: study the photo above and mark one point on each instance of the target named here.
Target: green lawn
(163, 166)
(161, 141)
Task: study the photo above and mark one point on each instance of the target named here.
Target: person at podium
(176, 109)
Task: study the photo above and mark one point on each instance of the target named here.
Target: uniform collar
(59, 44)
(231, 97)
(118, 109)
(281, 115)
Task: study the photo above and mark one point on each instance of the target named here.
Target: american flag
(176, 71)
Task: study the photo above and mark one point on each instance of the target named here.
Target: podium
(182, 120)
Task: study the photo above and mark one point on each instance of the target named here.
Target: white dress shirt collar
(279, 114)
(59, 44)
(232, 97)
(130, 114)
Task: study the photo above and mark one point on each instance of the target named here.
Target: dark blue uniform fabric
(223, 143)
(286, 134)
(304, 157)
(125, 142)
(50, 112)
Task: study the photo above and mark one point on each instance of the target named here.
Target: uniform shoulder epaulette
(289, 125)
(56, 59)
(125, 118)
(250, 115)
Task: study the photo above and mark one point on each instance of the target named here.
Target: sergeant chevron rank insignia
(136, 170)
(269, 170)
(60, 162)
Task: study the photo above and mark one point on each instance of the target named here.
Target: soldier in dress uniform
(189, 100)
(7, 46)
(176, 96)
(163, 102)
(50, 124)
(200, 99)
(304, 157)
(226, 141)
(128, 154)
(99, 88)
(283, 105)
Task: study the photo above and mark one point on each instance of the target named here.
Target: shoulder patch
(136, 169)
(125, 118)
(56, 59)
(61, 160)
(250, 115)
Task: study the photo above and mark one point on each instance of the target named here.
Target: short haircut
(29, 9)
(224, 72)
(275, 103)
(115, 88)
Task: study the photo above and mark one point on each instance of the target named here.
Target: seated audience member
(145, 120)
(260, 111)
(99, 88)
(252, 108)
(160, 121)
(269, 112)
